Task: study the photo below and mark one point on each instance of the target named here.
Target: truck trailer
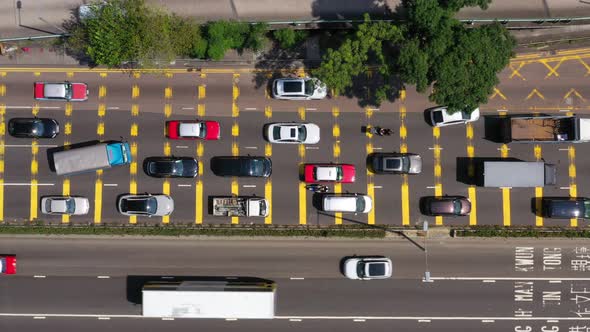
(91, 158)
(209, 299)
(541, 129)
(240, 206)
(516, 174)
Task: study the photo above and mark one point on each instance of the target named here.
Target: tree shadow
(348, 9)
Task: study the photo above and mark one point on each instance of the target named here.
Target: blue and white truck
(91, 158)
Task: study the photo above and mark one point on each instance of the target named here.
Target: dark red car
(207, 130)
(343, 173)
(65, 91)
(8, 264)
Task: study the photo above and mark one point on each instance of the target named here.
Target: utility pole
(426, 272)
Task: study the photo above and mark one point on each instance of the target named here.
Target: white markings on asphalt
(167, 318)
(312, 147)
(113, 108)
(231, 319)
(311, 109)
(250, 108)
(294, 320)
(562, 149)
(40, 107)
(103, 277)
(182, 146)
(28, 145)
(377, 187)
(166, 277)
(487, 321)
(433, 148)
(359, 320)
(297, 278)
(552, 321)
(565, 110)
(38, 276)
(104, 318)
(505, 187)
(185, 185)
(502, 111)
(423, 320)
(555, 281)
(188, 108)
(377, 148)
(431, 187)
(499, 149)
(509, 278)
(251, 147)
(372, 109)
(110, 184)
(489, 280)
(564, 188)
(249, 186)
(27, 184)
(39, 317)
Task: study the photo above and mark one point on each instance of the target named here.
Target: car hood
(415, 164)
(350, 266)
(82, 205)
(213, 130)
(321, 91)
(165, 205)
(79, 91)
(313, 133)
(368, 203)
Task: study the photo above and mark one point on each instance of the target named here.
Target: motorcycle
(317, 188)
(380, 131)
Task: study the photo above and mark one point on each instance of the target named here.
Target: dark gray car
(395, 163)
(445, 206)
(565, 207)
(33, 127)
(171, 167)
(242, 166)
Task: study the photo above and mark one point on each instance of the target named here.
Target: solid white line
(249, 186)
(564, 188)
(294, 320)
(113, 108)
(40, 107)
(250, 108)
(38, 276)
(377, 187)
(433, 148)
(188, 108)
(110, 184)
(103, 277)
(39, 317)
(555, 281)
(251, 147)
(490, 280)
(297, 278)
(28, 145)
(28, 184)
(510, 278)
(312, 147)
(104, 318)
(182, 146)
(185, 185)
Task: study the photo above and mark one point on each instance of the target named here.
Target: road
(42, 17)
(489, 284)
(136, 108)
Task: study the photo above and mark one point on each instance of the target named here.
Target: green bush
(225, 35)
(289, 38)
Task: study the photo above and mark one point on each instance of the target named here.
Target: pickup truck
(539, 129)
(240, 206)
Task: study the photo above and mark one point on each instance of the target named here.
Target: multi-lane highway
(136, 107)
(486, 284)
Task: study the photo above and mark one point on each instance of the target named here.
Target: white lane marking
(552, 321)
(104, 318)
(250, 108)
(562, 149)
(509, 278)
(40, 107)
(294, 320)
(564, 188)
(110, 184)
(182, 146)
(27, 184)
(501, 149)
(167, 318)
(502, 110)
(297, 278)
(431, 187)
(38, 276)
(39, 317)
(166, 277)
(372, 109)
(103, 277)
(185, 185)
(249, 186)
(565, 110)
(113, 108)
(28, 145)
(435, 148)
(489, 280)
(487, 320)
(251, 147)
(423, 320)
(377, 187)
(311, 109)
(359, 320)
(231, 319)
(378, 149)
(312, 147)
(505, 187)
(555, 281)
(188, 108)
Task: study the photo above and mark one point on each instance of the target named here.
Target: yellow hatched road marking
(506, 206)
(436, 132)
(403, 148)
(301, 113)
(538, 196)
(573, 193)
(34, 204)
(235, 92)
(576, 93)
(438, 193)
(102, 91)
(134, 129)
(167, 110)
(37, 73)
(371, 193)
(235, 111)
(66, 192)
(136, 74)
(35, 109)
(235, 150)
(403, 131)
(473, 198)
(497, 92)
(336, 130)
(200, 149)
(166, 191)
(199, 202)
(405, 201)
(235, 130)
(268, 112)
(2, 128)
(201, 110)
(470, 151)
(469, 131)
(268, 196)
(169, 74)
(68, 109)
(538, 152)
(135, 91)
(336, 149)
(168, 93)
(134, 110)
(133, 168)
(201, 92)
(267, 150)
(2, 90)
(335, 111)
(338, 215)
(369, 148)
(302, 204)
(97, 199)
(535, 92)
(301, 151)
(235, 190)
(167, 149)
(200, 167)
(103, 74)
(402, 94)
(504, 151)
(132, 190)
(102, 109)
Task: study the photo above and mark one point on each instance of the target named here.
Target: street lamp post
(19, 5)
(426, 272)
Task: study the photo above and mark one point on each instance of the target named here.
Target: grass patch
(535, 232)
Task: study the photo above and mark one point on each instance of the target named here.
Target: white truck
(209, 299)
(520, 174)
(240, 206)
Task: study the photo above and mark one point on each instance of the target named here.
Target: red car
(8, 264)
(343, 173)
(207, 130)
(65, 91)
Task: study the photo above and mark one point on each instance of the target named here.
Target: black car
(565, 207)
(171, 167)
(244, 166)
(33, 127)
(395, 163)
(445, 206)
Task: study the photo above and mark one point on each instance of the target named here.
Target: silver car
(367, 268)
(68, 205)
(145, 205)
(299, 89)
(292, 133)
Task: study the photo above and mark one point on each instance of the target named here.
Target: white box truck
(516, 174)
(209, 299)
(91, 158)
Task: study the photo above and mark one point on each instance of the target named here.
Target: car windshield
(276, 133)
(146, 205)
(302, 133)
(437, 116)
(202, 129)
(262, 208)
(360, 204)
(376, 269)
(360, 269)
(587, 209)
(252, 166)
(70, 206)
(309, 87)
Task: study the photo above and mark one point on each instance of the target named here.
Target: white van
(357, 203)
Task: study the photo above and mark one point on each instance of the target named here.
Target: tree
(367, 47)
(225, 35)
(289, 38)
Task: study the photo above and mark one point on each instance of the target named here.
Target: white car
(65, 205)
(293, 133)
(145, 205)
(367, 268)
(299, 89)
(440, 117)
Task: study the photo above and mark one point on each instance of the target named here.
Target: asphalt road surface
(487, 284)
(136, 108)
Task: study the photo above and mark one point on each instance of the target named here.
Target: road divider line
(39, 317)
(184, 185)
(28, 145)
(538, 197)
(297, 278)
(268, 197)
(235, 190)
(506, 206)
(34, 204)
(98, 197)
(199, 203)
(104, 318)
(489, 280)
(65, 218)
(472, 193)
(511, 278)
(405, 189)
(28, 184)
(371, 193)
(294, 320)
(39, 276)
(302, 204)
(103, 277)
(487, 320)
(555, 281)
(110, 184)
(338, 215)
(359, 320)
(166, 191)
